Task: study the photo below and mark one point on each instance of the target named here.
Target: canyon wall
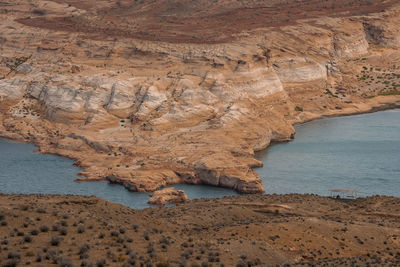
(147, 114)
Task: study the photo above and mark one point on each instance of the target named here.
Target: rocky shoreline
(146, 114)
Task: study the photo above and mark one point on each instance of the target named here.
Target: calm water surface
(23, 171)
(357, 152)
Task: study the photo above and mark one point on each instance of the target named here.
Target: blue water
(22, 171)
(356, 152)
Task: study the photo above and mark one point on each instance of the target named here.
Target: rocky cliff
(147, 113)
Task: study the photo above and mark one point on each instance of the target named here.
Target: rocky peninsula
(143, 96)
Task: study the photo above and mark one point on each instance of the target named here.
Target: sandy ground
(247, 230)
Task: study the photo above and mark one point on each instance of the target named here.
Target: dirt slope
(184, 21)
(236, 231)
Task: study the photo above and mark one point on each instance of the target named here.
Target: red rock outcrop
(168, 196)
(153, 113)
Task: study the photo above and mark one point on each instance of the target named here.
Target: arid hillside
(185, 21)
(300, 230)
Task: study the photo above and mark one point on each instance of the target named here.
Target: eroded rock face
(168, 196)
(151, 114)
(300, 70)
(12, 89)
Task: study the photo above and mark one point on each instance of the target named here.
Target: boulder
(168, 195)
(24, 69)
(75, 68)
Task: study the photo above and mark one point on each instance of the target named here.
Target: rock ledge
(167, 196)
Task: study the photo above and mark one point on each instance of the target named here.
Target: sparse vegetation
(55, 240)
(201, 88)
(379, 82)
(174, 232)
(81, 229)
(44, 228)
(27, 238)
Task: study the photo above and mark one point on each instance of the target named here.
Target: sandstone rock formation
(167, 196)
(153, 111)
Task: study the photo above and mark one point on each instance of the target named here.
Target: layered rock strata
(147, 114)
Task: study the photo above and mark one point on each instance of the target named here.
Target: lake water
(22, 171)
(357, 152)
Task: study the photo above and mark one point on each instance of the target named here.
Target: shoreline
(322, 194)
(370, 109)
(373, 110)
(173, 113)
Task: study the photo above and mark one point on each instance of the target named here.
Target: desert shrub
(84, 256)
(29, 253)
(85, 263)
(101, 263)
(11, 263)
(146, 236)
(38, 257)
(132, 261)
(27, 239)
(63, 231)
(34, 232)
(13, 255)
(114, 233)
(83, 249)
(24, 207)
(56, 227)
(51, 255)
(55, 240)
(40, 210)
(65, 262)
(44, 228)
(81, 229)
(164, 240)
